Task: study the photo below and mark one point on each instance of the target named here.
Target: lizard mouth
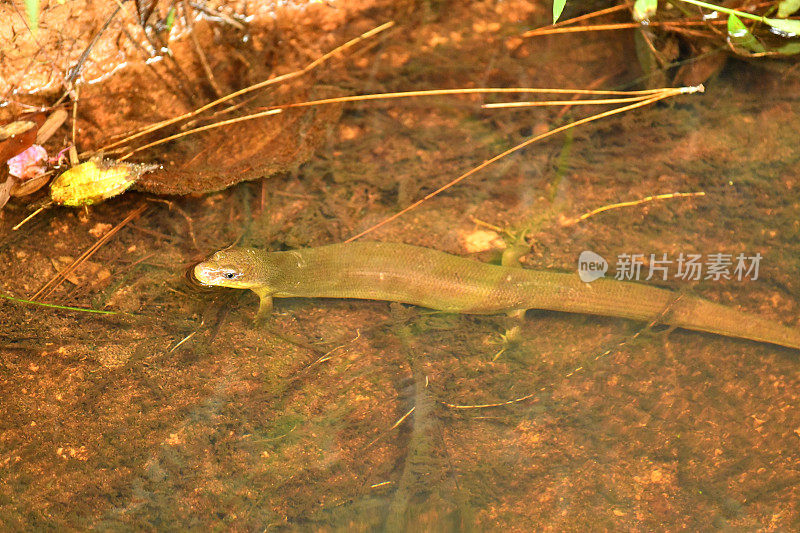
(189, 275)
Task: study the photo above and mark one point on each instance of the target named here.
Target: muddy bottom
(179, 413)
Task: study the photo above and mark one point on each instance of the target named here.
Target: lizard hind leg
(510, 258)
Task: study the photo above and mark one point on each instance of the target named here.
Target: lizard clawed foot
(507, 341)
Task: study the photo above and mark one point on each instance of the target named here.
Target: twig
(572, 221)
(186, 338)
(219, 15)
(29, 217)
(394, 426)
(183, 213)
(326, 356)
(74, 122)
(73, 72)
(51, 285)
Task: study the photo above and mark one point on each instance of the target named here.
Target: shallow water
(179, 413)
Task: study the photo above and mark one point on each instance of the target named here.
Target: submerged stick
(54, 306)
(667, 196)
(51, 285)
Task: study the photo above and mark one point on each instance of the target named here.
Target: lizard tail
(639, 302)
(703, 315)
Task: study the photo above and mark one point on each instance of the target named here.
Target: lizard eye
(230, 274)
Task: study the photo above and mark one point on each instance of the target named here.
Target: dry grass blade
(198, 130)
(253, 87)
(481, 90)
(587, 16)
(51, 285)
(642, 95)
(504, 105)
(665, 93)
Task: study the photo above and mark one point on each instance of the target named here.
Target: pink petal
(26, 165)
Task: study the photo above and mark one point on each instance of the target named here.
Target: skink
(437, 280)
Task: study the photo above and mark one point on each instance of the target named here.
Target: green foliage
(170, 18)
(787, 7)
(787, 27)
(740, 36)
(558, 7)
(644, 9)
(32, 9)
(789, 49)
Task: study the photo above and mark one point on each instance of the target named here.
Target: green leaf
(170, 18)
(789, 49)
(558, 7)
(724, 10)
(785, 26)
(740, 36)
(32, 9)
(736, 27)
(787, 7)
(644, 9)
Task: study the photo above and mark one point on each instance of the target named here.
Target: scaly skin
(429, 278)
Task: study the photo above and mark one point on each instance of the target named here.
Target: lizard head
(237, 268)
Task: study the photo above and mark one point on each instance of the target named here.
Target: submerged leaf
(741, 37)
(30, 186)
(95, 180)
(787, 7)
(786, 27)
(789, 49)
